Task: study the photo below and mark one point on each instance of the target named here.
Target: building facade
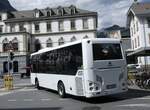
(138, 20)
(25, 32)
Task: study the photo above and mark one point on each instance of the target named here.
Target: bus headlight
(93, 86)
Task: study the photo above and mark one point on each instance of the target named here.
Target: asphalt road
(26, 97)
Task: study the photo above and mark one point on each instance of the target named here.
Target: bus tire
(61, 90)
(37, 84)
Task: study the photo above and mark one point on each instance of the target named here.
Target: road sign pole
(8, 60)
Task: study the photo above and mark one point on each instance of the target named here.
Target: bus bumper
(105, 93)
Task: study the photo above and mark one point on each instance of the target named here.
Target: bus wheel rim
(61, 90)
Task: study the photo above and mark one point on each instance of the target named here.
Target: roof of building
(30, 14)
(140, 8)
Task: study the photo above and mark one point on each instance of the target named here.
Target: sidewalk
(135, 87)
(18, 83)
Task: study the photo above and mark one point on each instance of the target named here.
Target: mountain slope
(6, 6)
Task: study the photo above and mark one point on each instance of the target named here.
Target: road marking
(61, 99)
(11, 100)
(28, 100)
(135, 105)
(144, 98)
(27, 89)
(46, 99)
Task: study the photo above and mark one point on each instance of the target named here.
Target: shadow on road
(131, 94)
(49, 108)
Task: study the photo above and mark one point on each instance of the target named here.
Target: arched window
(37, 45)
(48, 13)
(73, 39)
(72, 9)
(15, 44)
(49, 43)
(60, 11)
(5, 44)
(61, 41)
(85, 37)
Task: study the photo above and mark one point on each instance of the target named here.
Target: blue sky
(109, 11)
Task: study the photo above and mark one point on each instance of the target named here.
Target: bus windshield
(106, 51)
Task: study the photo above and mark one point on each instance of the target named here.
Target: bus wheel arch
(61, 89)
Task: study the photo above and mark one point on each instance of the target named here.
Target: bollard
(8, 82)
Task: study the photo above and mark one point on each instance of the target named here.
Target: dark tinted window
(106, 51)
(61, 61)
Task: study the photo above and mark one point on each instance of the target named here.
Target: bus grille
(79, 86)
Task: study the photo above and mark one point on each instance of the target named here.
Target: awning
(143, 51)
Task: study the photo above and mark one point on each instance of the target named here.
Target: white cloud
(109, 11)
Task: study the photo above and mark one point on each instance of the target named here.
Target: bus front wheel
(61, 90)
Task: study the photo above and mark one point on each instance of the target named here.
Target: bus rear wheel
(37, 84)
(61, 90)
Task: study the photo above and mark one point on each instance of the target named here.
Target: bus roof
(107, 40)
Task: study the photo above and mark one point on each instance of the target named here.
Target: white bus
(90, 68)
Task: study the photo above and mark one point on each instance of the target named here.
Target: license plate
(112, 86)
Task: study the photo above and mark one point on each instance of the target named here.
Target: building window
(37, 27)
(61, 26)
(135, 43)
(1, 28)
(149, 38)
(73, 39)
(12, 28)
(148, 21)
(134, 28)
(49, 43)
(15, 66)
(15, 44)
(37, 45)
(131, 31)
(73, 25)
(48, 13)
(21, 27)
(85, 23)
(137, 26)
(0, 17)
(138, 41)
(5, 67)
(72, 10)
(5, 45)
(61, 41)
(60, 11)
(49, 26)
(85, 37)
(132, 44)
